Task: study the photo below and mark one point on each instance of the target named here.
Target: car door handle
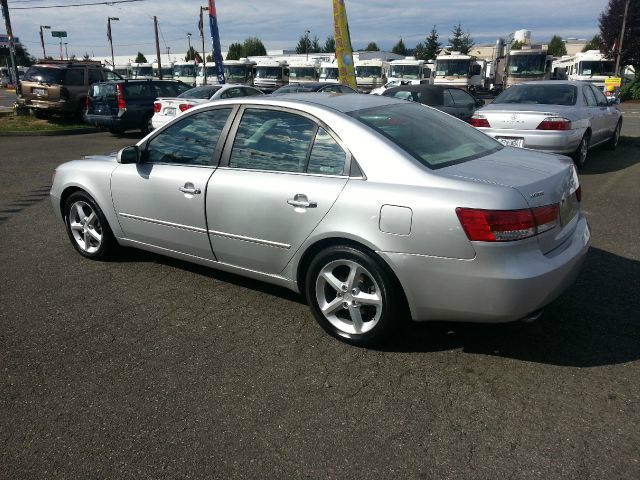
(190, 190)
(301, 201)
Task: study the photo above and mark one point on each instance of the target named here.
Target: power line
(76, 5)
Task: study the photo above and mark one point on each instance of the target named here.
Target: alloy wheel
(85, 227)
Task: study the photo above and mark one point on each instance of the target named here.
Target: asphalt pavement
(148, 367)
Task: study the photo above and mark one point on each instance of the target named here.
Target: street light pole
(306, 43)
(44, 53)
(66, 52)
(204, 54)
(115, 19)
(189, 40)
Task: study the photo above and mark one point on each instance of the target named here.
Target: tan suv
(60, 87)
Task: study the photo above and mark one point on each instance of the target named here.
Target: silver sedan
(370, 206)
(567, 117)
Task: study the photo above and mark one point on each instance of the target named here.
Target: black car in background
(313, 87)
(127, 104)
(451, 100)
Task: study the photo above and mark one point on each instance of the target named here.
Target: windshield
(452, 68)
(167, 72)
(45, 75)
(432, 137)
(203, 92)
(526, 65)
(184, 71)
(554, 94)
(368, 72)
(143, 71)
(272, 73)
(599, 67)
(211, 71)
(406, 71)
(236, 72)
(122, 71)
(303, 73)
(330, 73)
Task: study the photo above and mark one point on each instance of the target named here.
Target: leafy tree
(253, 47)
(372, 47)
(236, 52)
(610, 21)
(595, 43)
(329, 45)
(556, 47)
(140, 58)
(191, 54)
(460, 41)
(23, 59)
(516, 45)
(399, 48)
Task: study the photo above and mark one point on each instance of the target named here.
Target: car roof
(555, 82)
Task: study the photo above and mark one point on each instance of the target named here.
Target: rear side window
(232, 93)
(170, 89)
(251, 92)
(460, 98)
(434, 138)
(135, 91)
(327, 157)
(74, 77)
(50, 75)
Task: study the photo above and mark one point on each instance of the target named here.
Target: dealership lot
(147, 367)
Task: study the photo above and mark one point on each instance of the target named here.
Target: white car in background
(166, 109)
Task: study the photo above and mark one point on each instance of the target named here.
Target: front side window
(600, 98)
(589, 97)
(190, 141)
(272, 140)
(460, 98)
(434, 138)
(74, 77)
(327, 157)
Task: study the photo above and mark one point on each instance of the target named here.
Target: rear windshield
(50, 75)
(103, 91)
(554, 94)
(432, 137)
(200, 92)
(294, 89)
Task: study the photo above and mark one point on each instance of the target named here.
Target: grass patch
(27, 123)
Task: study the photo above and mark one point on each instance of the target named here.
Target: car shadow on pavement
(595, 323)
(602, 160)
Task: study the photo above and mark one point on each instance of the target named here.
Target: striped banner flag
(215, 39)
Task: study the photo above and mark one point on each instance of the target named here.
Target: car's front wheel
(87, 227)
(353, 296)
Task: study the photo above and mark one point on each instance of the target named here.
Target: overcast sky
(279, 23)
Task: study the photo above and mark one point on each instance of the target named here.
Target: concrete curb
(51, 133)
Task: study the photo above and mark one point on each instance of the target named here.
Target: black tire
(116, 131)
(107, 245)
(581, 153)
(146, 126)
(374, 329)
(612, 144)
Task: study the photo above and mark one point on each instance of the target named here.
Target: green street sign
(58, 34)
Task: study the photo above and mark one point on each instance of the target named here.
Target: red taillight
(579, 193)
(156, 107)
(480, 121)
(184, 106)
(87, 103)
(122, 105)
(506, 225)
(555, 123)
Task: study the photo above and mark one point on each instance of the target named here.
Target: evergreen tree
(140, 58)
(329, 45)
(372, 47)
(456, 40)
(236, 52)
(431, 47)
(253, 47)
(315, 45)
(191, 54)
(556, 47)
(399, 48)
(210, 58)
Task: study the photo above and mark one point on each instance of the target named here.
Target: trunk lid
(521, 116)
(542, 179)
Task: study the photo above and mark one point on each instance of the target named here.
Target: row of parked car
(554, 116)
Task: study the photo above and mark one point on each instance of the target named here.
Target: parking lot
(148, 367)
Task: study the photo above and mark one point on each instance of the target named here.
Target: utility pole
(66, 52)
(204, 54)
(115, 19)
(168, 57)
(44, 53)
(306, 43)
(12, 47)
(155, 25)
(624, 24)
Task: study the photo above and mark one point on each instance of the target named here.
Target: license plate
(568, 210)
(170, 111)
(39, 91)
(511, 141)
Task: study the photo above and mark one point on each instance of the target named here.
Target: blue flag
(215, 39)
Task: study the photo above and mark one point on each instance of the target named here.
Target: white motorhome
(167, 70)
(271, 74)
(239, 71)
(123, 70)
(409, 71)
(527, 64)
(459, 70)
(370, 74)
(306, 71)
(329, 72)
(590, 66)
(185, 72)
(141, 71)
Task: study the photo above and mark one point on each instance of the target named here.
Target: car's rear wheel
(87, 227)
(353, 296)
(580, 155)
(116, 131)
(615, 138)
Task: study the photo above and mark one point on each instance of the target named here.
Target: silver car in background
(567, 117)
(371, 206)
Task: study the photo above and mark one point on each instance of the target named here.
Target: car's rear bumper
(110, 121)
(49, 105)
(493, 287)
(564, 142)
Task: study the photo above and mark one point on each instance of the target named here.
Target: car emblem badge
(536, 194)
(514, 117)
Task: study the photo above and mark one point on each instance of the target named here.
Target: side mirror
(480, 102)
(129, 154)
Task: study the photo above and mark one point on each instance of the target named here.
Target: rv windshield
(452, 68)
(597, 67)
(236, 73)
(364, 72)
(411, 72)
(143, 71)
(526, 65)
(303, 73)
(329, 73)
(270, 73)
(184, 70)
